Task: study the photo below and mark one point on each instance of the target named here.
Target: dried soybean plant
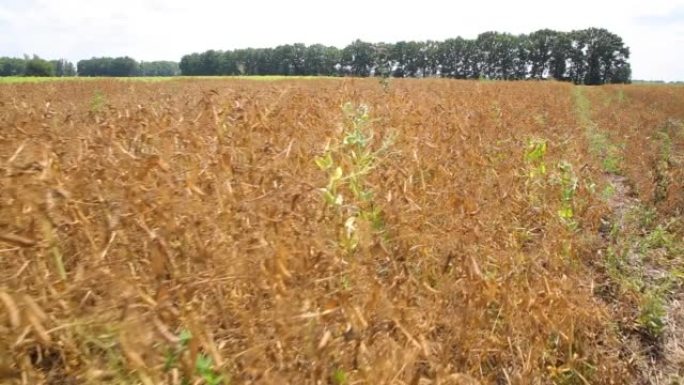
(200, 231)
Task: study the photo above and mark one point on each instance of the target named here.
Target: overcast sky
(168, 29)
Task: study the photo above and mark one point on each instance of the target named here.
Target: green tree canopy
(38, 67)
(590, 56)
(35, 66)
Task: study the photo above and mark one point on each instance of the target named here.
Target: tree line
(126, 66)
(588, 56)
(35, 66)
(104, 66)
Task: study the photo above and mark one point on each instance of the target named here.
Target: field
(341, 231)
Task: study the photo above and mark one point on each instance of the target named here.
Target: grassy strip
(641, 258)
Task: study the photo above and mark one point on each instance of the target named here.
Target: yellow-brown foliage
(131, 213)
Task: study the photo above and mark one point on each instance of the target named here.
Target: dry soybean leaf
(34, 308)
(38, 328)
(12, 309)
(17, 240)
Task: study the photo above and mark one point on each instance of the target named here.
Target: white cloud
(167, 29)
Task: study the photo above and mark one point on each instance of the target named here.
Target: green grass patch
(643, 263)
(610, 154)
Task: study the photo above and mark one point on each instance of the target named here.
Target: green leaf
(337, 174)
(184, 337)
(203, 363)
(324, 162)
(204, 366)
(536, 149)
(339, 377)
(566, 213)
(328, 196)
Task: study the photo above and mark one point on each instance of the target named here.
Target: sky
(168, 29)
